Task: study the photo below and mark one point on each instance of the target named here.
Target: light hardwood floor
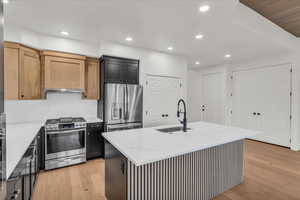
(271, 173)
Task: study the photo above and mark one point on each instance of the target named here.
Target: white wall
(151, 62)
(195, 84)
(57, 105)
(41, 41)
(293, 59)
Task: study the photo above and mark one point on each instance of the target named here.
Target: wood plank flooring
(271, 173)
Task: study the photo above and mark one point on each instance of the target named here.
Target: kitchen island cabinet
(146, 164)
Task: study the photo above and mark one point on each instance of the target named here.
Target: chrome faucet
(184, 122)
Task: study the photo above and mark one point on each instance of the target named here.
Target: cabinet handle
(22, 96)
(123, 167)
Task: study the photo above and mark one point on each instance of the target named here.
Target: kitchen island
(146, 164)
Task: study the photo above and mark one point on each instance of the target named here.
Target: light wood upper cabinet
(30, 74)
(92, 80)
(62, 70)
(22, 72)
(11, 71)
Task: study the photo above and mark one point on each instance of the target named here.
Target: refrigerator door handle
(124, 103)
(127, 102)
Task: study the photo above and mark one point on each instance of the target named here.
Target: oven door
(65, 143)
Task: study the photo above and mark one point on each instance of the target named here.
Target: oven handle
(69, 131)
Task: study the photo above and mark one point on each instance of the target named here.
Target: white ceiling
(228, 27)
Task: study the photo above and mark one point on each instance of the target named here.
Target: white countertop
(18, 138)
(93, 120)
(147, 145)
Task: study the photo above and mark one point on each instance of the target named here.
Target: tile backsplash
(56, 105)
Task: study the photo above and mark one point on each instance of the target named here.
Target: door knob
(254, 113)
(258, 114)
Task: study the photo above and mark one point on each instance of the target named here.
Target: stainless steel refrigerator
(123, 106)
(2, 115)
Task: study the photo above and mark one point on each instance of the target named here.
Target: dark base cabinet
(41, 150)
(94, 141)
(20, 184)
(115, 174)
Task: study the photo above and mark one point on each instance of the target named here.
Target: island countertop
(147, 145)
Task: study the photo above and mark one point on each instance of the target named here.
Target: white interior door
(213, 92)
(162, 95)
(262, 101)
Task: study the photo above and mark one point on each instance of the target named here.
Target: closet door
(213, 91)
(162, 95)
(262, 101)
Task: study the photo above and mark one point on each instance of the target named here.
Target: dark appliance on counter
(65, 142)
(122, 105)
(94, 141)
(2, 115)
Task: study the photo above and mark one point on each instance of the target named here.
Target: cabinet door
(131, 73)
(64, 73)
(94, 143)
(30, 74)
(92, 83)
(113, 72)
(119, 70)
(11, 73)
(115, 174)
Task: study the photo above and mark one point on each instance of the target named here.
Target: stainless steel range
(65, 142)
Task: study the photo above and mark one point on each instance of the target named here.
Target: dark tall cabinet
(120, 70)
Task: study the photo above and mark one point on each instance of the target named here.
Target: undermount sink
(172, 130)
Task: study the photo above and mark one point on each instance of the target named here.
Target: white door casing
(213, 93)
(262, 101)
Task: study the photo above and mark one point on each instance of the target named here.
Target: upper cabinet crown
(63, 71)
(22, 72)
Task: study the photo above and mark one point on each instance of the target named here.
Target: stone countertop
(147, 145)
(18, 138)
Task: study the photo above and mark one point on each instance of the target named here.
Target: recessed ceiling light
(197, 63)
(129, 39)
(227, 56)
(170, 48)
(64, 33)
(198, 37)
(204, 8)
(5, 1)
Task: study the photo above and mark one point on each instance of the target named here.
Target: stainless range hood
(63, 90)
